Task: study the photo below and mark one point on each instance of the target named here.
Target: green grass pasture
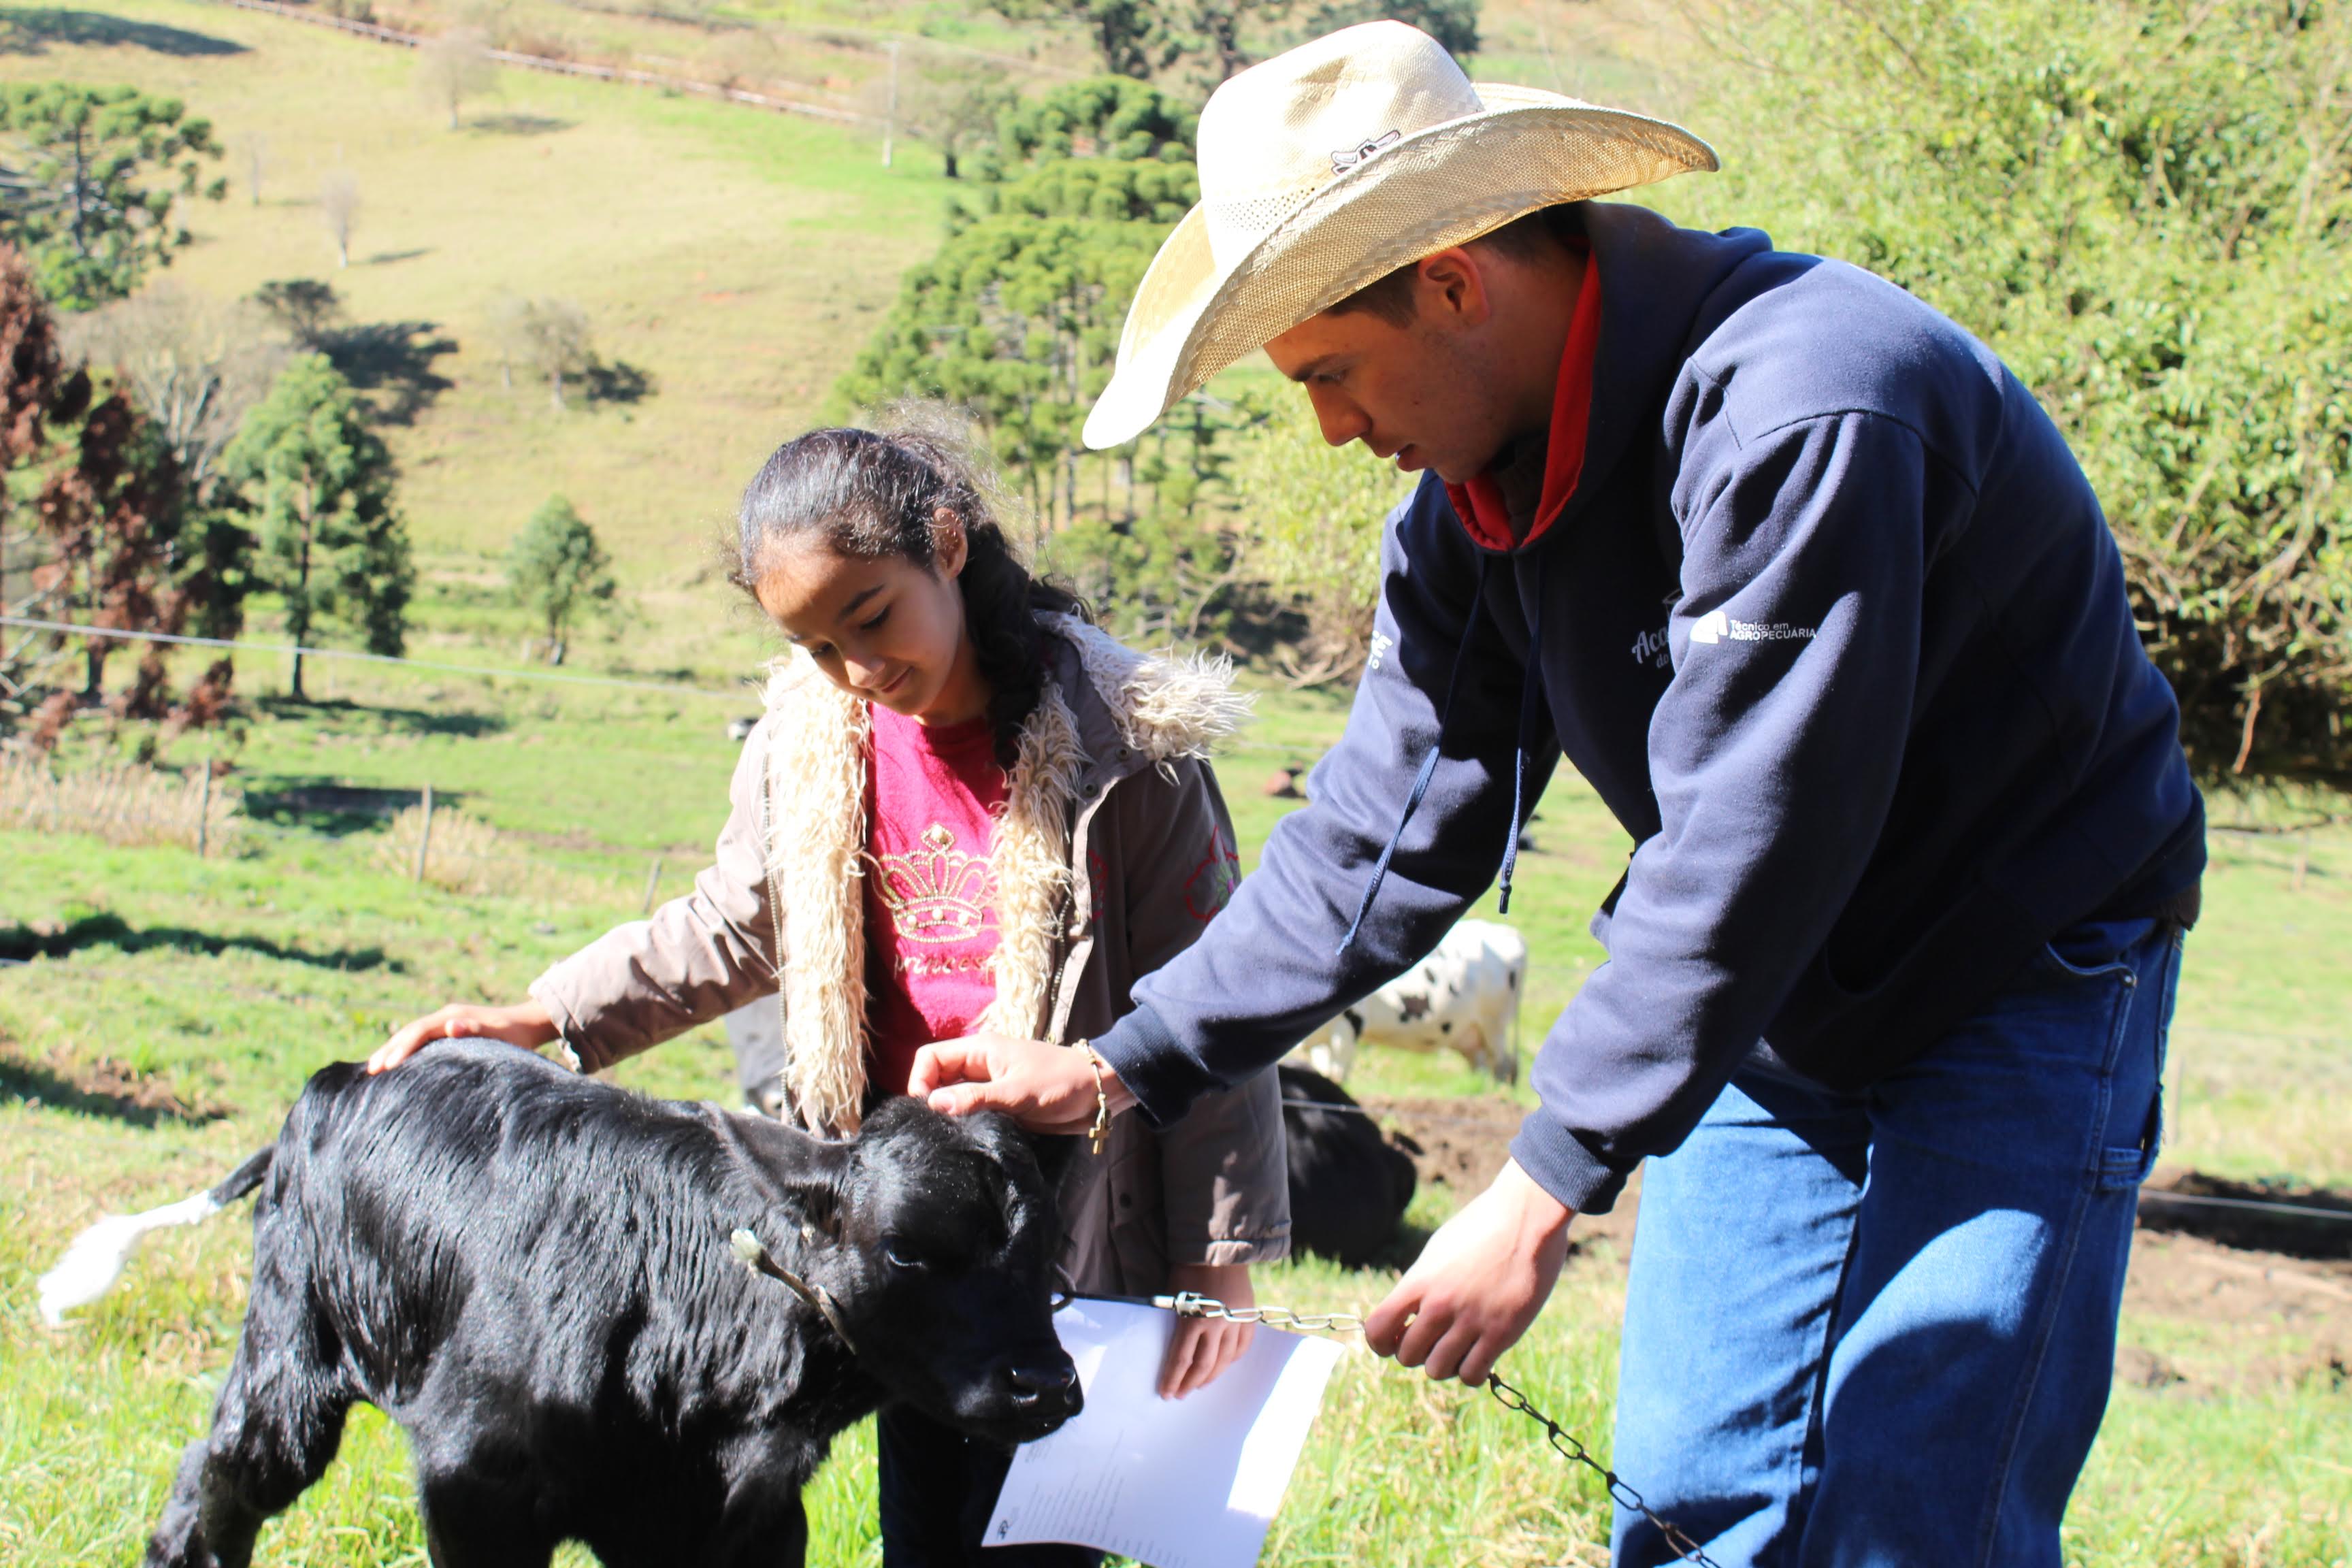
(173, 1007)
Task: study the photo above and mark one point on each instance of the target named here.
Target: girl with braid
(966, 809)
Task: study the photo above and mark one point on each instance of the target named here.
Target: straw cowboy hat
(1330, 167)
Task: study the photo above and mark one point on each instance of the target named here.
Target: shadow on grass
(337, 810)
(106, 1089)
(464, 724)
(25, 944)
(393, 363)
(32, 32)
(516, 125)
(617, 380)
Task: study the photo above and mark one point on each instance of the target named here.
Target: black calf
(530, 1272)
(1348, 1184)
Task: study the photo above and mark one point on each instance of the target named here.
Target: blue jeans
(1878, 1328)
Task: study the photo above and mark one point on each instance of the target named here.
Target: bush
(463, 854)
(1311, 515)
(2146, 209)
(555, 569)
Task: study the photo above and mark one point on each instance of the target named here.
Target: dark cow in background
(1349, 1183)
(530, 1272)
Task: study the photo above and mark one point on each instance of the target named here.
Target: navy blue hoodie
(1832, 623)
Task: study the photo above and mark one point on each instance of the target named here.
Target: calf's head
(933, 1240)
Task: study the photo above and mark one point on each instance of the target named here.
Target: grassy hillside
(736, 256)
(173, 1006)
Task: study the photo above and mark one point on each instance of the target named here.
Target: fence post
(204, 804)
(423, 836)
(653, 881)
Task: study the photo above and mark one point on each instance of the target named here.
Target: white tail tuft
(95, 1260)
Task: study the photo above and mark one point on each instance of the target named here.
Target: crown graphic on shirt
(937, 893)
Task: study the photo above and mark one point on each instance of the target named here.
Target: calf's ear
(803, 1174)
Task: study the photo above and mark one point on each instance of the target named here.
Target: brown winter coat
(1111, 777)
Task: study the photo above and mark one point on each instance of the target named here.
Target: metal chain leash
(1190, 1304)
(1563, 1442)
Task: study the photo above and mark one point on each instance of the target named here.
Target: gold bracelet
(1100, 1132)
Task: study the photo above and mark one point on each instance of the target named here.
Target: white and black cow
(1464, 996)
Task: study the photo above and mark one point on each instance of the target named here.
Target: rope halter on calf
(758, 1260)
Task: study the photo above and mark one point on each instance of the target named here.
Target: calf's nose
(1048, 1390)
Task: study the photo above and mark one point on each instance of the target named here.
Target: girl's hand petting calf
(527, 1025)
(1201, 1348)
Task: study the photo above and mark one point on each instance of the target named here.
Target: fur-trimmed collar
(1161, 707)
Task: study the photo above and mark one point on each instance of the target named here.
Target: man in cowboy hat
(1809, 590)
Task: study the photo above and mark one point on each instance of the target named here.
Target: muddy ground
(2264, 1283)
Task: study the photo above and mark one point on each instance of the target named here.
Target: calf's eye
(898, 1256)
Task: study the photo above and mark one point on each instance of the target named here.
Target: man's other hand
(1478, 1284)
(1047, 1089)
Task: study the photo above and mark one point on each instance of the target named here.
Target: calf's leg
(275, 1430)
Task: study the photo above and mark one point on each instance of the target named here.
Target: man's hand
(1478, 1284)
(528, 1025)
(1200, 1348)
(1047, 1089)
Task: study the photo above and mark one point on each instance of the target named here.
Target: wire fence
(290, 650)
(618, 75)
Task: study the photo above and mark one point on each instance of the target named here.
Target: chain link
(1190, 1304)
(1563, 1442)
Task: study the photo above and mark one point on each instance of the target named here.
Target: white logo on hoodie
(1715, 627)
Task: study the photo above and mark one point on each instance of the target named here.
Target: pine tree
(327, 539)
(1016, 318)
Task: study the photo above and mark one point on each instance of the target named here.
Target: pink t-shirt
(930, 890)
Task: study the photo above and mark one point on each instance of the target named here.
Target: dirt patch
(2259, 1216)
(1463, 1142)
(2285, 1317)
(104, 1087)
(2279, 1319)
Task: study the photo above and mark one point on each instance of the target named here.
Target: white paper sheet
(1174, 1483)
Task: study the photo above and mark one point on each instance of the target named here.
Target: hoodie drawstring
(1530, 709)
(1428, 760)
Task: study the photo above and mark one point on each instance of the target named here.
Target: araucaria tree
(556, 569)
(327, 540)
(1016, 319)
(90, 176)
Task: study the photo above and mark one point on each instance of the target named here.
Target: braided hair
(869, 494)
